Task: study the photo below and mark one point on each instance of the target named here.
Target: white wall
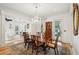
(76, 44)
(0, 29)
(2, 35)
(18, 19)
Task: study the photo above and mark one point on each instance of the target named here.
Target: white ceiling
(44, 9)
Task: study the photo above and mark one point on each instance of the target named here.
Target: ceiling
(38, 9)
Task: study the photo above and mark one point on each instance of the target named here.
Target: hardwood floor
(4, 50)
(18, 49)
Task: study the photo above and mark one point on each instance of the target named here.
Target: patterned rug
(19, 49)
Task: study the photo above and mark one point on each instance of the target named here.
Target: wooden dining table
(40, 40)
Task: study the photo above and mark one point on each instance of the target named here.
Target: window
(57, 28)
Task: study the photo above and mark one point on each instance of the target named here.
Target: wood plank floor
(18, 49)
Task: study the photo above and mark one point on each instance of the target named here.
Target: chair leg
(44, 49)
(32, 49)
(36, 50)
(48, 48)
(55, 51)
(45, 52)
(25, 45)
(28, 45)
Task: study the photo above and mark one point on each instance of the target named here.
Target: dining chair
(27, 40)
(53, 45)
(33, 38)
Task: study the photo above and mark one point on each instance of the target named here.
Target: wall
(2, 33)
(18, 18)
(35, 27)
(0, 29)
(76, 44)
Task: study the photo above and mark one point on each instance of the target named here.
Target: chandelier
(36, 18)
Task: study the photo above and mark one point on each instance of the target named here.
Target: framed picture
(75, 19)
(27, 26)
(17, 29)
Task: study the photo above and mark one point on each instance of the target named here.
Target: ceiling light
(36, 5)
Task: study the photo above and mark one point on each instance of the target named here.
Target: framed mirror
(75, 19)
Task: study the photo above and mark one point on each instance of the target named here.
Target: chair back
(38, 33)
(56, 40)
(33, 37)
(26, 36)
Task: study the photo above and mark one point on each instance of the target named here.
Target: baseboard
(13, 42)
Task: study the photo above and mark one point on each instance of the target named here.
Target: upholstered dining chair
(27, 40)
(53, 45)
(33, 38)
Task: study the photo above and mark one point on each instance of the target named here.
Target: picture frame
(75, 19)
(27, 26)
(17, 29)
